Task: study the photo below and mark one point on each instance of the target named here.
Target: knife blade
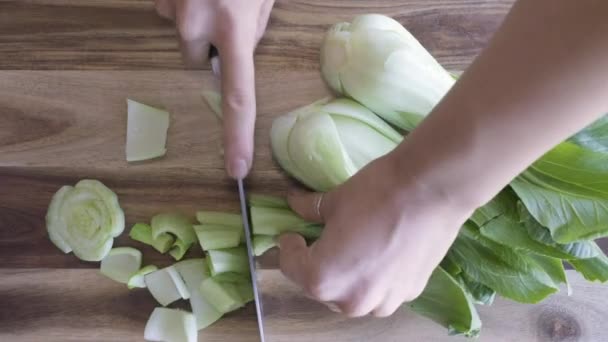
(250, 255)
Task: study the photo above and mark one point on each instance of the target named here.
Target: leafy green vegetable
(446, 302)
(143, 233)
(594, 137)
(513, 275)
(567, 191)
(593, 269)
(481, 294)
(573, 250)
(85, 219)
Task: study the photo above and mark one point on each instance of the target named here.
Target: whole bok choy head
(377, 62)
(325, 143)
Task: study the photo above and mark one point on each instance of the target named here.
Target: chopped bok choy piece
(146, 131)
(262, 243)
(219, 218)
(228, 260)
(171, 325)
(166, 286)
(121, 263)
(213, 236)
(137, 279)
(224, 297)
(143, 233)
(274, 221)
(267, 201)
(194, 272)
(85, 219)
(177, 225)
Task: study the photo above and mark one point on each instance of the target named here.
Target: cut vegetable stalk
(137, 279)
(194, 272)
(266, 201)
(121, 263)
(171, 325)
(146, 131)
(212, 236)
(262, 243)
(166, 286)
(219, 218)
(178, 225)
(223, 296)
(274, 221)
(228, 260)
(143, 233)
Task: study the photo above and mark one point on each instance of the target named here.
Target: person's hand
(384, 235)
(234, 27)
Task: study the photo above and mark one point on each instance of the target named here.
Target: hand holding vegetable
(234, 27)
(389, 226)
(384, 235)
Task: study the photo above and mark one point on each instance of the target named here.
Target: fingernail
(333, 307)
(238, 168)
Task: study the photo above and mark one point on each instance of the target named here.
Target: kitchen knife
(252, 268)
(215, 66)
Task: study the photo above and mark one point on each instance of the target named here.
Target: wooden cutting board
(57, 127)
(61, 126)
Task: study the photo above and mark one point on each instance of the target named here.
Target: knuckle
(188, 31)
(238, 102)
(355, 308)
(318, 286)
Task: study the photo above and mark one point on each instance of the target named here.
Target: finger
(264, 17)
(195, 53)
(362, 300)
(238, 101)
(311, 206)
(194, 43)
(293, 258)
(165, 9)
(389, 305)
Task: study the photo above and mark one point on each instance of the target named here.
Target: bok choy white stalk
(85, 219)
(377, 62)
(325, 143)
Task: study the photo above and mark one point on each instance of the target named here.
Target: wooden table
(67, 68)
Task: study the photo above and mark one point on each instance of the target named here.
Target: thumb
(238, 100)
(294, 258)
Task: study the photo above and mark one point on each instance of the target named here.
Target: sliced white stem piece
(171, 325)
(137, 279)
(121, 263)
(146, 131)
(166, 286)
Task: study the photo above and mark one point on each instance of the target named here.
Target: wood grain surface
(81, 305)
(127, 34)
(60, 123)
